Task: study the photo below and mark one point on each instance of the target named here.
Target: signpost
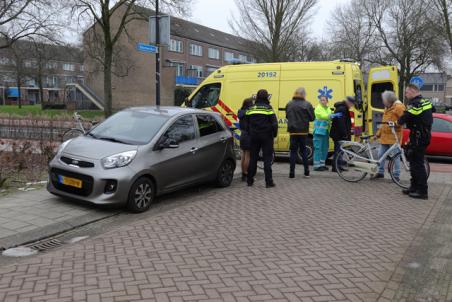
(418, 81)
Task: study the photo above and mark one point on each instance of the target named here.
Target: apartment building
(194, 52)
(24, 67)
(435, 86)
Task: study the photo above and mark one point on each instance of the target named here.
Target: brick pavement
(305, 240)
(32, 215)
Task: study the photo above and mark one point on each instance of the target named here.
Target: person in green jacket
(322, 124)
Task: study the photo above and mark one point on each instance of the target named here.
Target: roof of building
(201, 33)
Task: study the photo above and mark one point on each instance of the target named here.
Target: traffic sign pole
(157, 55)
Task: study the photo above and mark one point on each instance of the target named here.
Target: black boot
(244, 177)
(270, 185)
(418, 195)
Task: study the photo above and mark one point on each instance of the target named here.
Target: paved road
(305, 240)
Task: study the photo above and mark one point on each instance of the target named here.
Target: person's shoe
(378, 175)
(334, 170)
(244, 177)
(291, 175)
(270, 185)
(306, 174)
(418, 195)
(324, 168)
(250, 182)
(407, 191)
(319, 169)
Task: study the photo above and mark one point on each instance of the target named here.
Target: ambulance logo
(325, 92)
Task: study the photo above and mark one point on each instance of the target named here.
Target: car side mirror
(169, 143)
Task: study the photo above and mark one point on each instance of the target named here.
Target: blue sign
(325, 92)
(147, 48)
(418, 81)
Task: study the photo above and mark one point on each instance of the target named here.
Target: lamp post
(157, 55)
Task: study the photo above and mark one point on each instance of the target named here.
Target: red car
(441, 143)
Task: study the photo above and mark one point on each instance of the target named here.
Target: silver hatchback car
(140, 153)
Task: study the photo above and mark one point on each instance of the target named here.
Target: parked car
(441, 143)
(140, 153)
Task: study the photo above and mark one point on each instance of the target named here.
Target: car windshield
(129, 127)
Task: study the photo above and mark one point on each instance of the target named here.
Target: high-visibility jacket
(261, 120)
(419, 119)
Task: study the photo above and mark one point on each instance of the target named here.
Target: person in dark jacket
(419, 119)
(262, 125)
(341, 127)
(245, 139)
(299, 114)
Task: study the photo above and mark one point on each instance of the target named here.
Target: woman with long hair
(245, 140)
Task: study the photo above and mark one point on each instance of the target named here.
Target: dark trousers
(264, 142)
(417, 170)
(337, 149)
(298, 144)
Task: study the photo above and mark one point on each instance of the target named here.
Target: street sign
(418, 81)
(147, 48)
(164, 26)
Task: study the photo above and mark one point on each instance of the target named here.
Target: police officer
(262, 126)
(418, 118)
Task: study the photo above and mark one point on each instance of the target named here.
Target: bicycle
(79, 128)
(355, 160)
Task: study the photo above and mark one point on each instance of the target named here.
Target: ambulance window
(377, 89)
(207, 96)
(358, 94)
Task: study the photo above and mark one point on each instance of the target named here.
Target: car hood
(87, 147)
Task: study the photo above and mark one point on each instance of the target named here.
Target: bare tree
(21, 19)
(406, 36)
(443, 10)
(352, 33)
(110, 19)
(274, 26)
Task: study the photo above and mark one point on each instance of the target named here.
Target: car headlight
(62, 146)
(118, 160)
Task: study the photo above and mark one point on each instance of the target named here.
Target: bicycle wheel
(346, 168)
(403, 178)
(71, 133)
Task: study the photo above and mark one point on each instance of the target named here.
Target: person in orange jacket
(394, 109)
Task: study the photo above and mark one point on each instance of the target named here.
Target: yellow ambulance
(224, 90)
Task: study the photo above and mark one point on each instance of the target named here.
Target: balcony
(187, 80)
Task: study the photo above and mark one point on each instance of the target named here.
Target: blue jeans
(298, 142)
(321, 147)
(381, 168)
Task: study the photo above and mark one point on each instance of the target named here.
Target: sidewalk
(33, 215)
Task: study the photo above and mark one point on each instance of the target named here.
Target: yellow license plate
(69, 181)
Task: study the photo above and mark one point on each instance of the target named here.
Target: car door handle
(193, 150)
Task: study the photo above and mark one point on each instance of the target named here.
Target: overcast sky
(217, 13)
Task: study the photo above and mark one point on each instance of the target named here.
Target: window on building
(68, 67)
(243, 58)
(440, 87)
(214, 53)
(207, 125)
(52, 81)
(196, 50)
(427, 87)
(30, 63)
(82, 67)
(211, 69)
(180, 68)
(228, 56)
(52, 65)
(176, 45)
(197, 71)
(5, 61)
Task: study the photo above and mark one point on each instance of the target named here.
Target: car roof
(443, 116)
(168, 111)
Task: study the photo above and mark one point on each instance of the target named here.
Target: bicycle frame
(367, 147)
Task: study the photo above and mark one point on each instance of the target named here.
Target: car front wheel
(225, 174)
(141, 195)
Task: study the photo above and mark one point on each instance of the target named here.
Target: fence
(26, 128)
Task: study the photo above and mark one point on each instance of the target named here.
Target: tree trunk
(108, 57)
(19, 94)
(41, 91)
